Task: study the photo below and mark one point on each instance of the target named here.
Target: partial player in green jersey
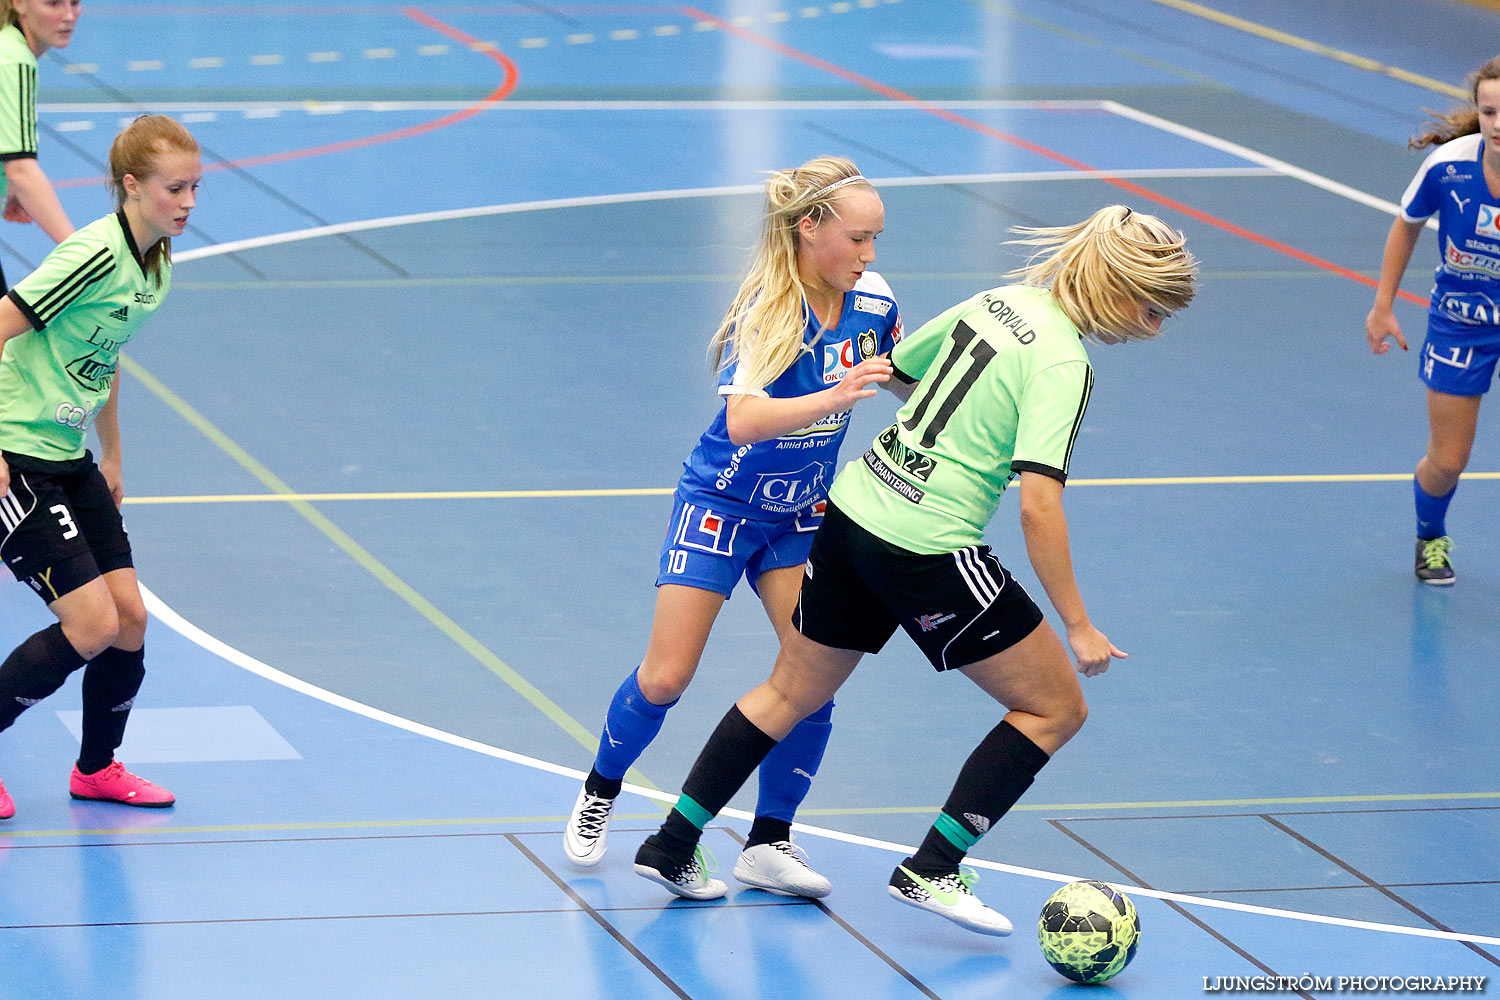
(28, 28)
(1002, 382)
(61, 329)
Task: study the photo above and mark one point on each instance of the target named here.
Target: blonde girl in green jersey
(1002, 385)
(28, 28)
(61, 330)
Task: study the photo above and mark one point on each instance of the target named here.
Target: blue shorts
(1457, 366)
(711, 551)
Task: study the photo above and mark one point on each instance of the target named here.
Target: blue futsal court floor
(399, 450)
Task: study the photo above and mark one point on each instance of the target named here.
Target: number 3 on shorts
(65, 519)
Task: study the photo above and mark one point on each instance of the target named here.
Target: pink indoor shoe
(115, 784)
(7, 804)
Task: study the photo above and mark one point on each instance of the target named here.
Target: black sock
(766, 830)
(996, 774)
(110, 683)
(731, 755)
(597, 784)
(33, 670)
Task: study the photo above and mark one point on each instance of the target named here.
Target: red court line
(1043, 151)
(512, 76)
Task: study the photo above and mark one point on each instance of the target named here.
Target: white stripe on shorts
(982, 583)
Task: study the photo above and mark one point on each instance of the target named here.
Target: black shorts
(59, 526)
(958, 607)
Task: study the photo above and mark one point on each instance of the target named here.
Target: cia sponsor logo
(1488, 222)
(1472, 308)
(790, 490)
(837, 360)
(866, 304)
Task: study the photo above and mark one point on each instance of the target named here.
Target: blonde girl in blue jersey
(28, 29)
(1459, 182)
(61, 330)
(802, 342)
(1003, 382)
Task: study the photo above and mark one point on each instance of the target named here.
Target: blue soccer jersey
(1466, 284)
(771, 479)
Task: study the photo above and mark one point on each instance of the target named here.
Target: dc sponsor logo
(864, 303)
(929, 622)
(867, 345)
(820, 508)
(711, 524)
(837, 360)
(1488, 222)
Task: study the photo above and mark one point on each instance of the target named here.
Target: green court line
(654, 817)
(379, 570)
(288, 496)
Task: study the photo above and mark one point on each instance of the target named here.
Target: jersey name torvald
(1466, 283)
(84, 302)
(787, 474)
(1003, 385)
(17, 98)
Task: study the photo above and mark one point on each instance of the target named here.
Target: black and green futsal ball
(1088, 931)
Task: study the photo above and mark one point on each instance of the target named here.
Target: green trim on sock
(955, 832)
(692, 811)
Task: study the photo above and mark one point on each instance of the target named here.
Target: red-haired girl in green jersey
(61, 330)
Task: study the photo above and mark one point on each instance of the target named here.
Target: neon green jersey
(84, 302)
(17, 98)
(1004, 382)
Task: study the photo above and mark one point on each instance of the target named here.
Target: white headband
(824, 192)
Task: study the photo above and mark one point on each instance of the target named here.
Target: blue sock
(1431, 511)
(786, 775)
(629, 727)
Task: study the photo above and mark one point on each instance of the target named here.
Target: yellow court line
(1306, 45)
(290, 497)
(379, 570)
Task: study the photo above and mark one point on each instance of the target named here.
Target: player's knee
(1069, 717)
(93, 632)
(662, 684)
(132, 624)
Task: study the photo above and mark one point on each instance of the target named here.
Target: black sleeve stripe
(1083, 405)
(26, 310)
(70, 287)
(25, 154)
(1045, 470)
(28, 108)
(901, 374)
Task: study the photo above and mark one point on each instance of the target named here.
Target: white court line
(448, 215)
(164, 614)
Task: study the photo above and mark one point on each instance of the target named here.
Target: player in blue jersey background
(805, 339)
(1459, 182)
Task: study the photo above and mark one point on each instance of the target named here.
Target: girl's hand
(13, 210)
(1380, 324)
(860, 383)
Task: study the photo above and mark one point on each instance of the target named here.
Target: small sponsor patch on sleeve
(869, 304)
